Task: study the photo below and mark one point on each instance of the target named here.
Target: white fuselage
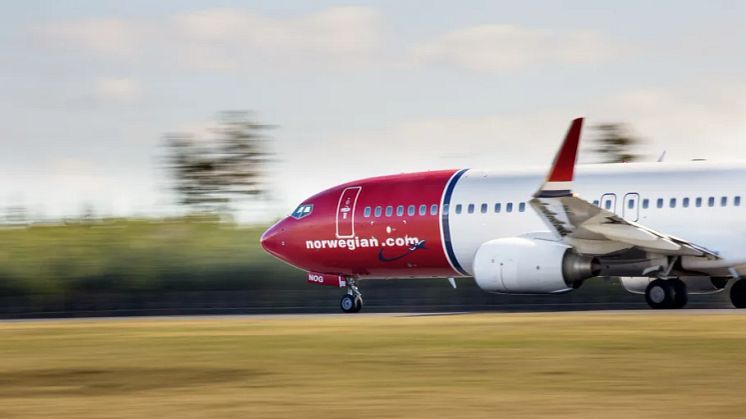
(701, 201)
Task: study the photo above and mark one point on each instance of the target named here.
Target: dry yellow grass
(643, 364)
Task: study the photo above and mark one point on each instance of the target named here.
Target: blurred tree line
(199, 264)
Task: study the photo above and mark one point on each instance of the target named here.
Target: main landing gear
(667, 293)
(352, 302)
(738, 294)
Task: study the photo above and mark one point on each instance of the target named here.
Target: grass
(639, 364)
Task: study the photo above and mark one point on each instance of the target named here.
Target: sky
(354, 89)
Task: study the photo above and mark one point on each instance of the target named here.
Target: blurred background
(144, 146)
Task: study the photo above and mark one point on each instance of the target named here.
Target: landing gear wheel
(348, 304)
(660, 294)
(680, 296)
(666, 293)
(738, 294)
(352, 302)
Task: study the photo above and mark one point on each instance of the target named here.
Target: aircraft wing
(589, 228)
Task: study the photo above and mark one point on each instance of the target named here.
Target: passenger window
(737, 201)
(378, 211)
(458, 208)
(410, 210)
(471, 208)
(724, 201)
(389, 211)
(509, 207)
(595, 202)
(483, 209)
(645, 203)
(685, 202)
(659, 203)
(672, 203)
(423, 209)
(497, 207)
(522, 207)
(366, 212)
(711, 201)
(400, 210)
(446, 208)
(434, 209)
(698, 202)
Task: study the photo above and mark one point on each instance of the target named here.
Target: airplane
(667, 230)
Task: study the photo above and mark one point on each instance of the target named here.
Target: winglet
(559, 180)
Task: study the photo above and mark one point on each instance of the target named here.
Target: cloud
(118, 89)
(225, 38)
(229, 39)
(335, 31)
(104, 37)
(508, 48)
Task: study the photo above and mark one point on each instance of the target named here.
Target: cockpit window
(302, 211)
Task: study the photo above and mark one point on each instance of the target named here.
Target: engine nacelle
(694, 284)
(518, 265)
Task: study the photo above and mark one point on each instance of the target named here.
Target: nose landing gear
(352, 302)
(666, 294)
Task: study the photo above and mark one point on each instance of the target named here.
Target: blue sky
(355, 88)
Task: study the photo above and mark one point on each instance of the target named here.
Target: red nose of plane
(273, 240)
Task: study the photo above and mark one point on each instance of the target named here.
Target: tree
(208, 174)
(615, 143)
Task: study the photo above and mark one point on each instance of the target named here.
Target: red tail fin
(558, 181)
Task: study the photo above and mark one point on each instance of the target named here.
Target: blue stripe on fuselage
(444, 221)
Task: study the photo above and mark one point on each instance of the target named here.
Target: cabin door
(346, 212)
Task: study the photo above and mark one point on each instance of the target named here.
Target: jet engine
(518, 265)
